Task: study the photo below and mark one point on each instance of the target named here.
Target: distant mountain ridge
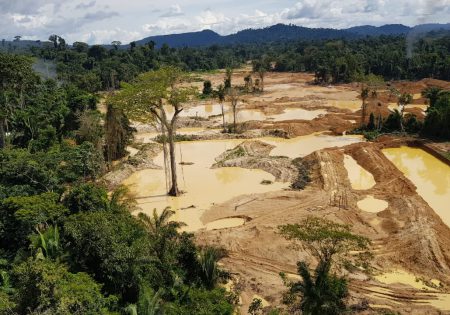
(281, 32)
(274, 33)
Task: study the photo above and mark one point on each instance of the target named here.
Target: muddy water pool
(430, 175)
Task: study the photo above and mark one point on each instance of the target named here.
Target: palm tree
(234, 99)
(120, 200)
(403, 100)
(220, 95)
(149, 303)
(161, 230)
(47, 244)
(210, 272)
(155, 224)
(432, 94)
(321, 293)
(5, 280)
(364, 96)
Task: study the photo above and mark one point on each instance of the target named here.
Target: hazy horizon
(101, 21)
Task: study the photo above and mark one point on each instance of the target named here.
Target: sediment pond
(360, 179)
(430, 175)
(204, 186)
(371, 204)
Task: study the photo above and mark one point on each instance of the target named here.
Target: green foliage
(255, 307)
(412, 124)
(371, 124)
(6, 304)
(86, 197)
(220, 93)
(47, 244)
(118, 133)
(165, 240)
(90, 128)
(25, 173)
(21, 215)
(432, 93)
(207, 88)
(371, 135)
(436, 123)
(201, 302)
(142, 100)
(330, 243)
(113, 247)
(321, 293)
(210, 272)
(227, 79)
(325, 239)
(392, 123)
(176, 138)
(83, 161)
(44, 108)
(149, 302)
(45, 286)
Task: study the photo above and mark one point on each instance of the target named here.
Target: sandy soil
(407, 235)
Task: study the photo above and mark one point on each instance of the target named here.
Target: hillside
(278, 32)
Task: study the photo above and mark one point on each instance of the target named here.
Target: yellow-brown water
(146, 137)
(360, 179)
(393, 106)
(205, 186)
(403, 277)
(352, 105)
(304, 145)
(430, 175)
(288, 114)
(371, 204)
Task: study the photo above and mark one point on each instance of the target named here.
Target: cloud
(174, 10)
(77, 20)
(107, 36)
(311, 9)
(29, 6)
(99, 15)
(84, 6)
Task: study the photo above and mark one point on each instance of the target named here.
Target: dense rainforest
(98, 68)
(66, 245)
(69, 247)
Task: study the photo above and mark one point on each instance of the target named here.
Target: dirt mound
(255, 155)
(408, 235)
(143, 159)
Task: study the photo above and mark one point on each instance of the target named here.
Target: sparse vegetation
(321, 292)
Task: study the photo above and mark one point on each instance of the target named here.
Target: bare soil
(408, 235)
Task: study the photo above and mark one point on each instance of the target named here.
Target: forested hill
(274, 33)
(280, 32)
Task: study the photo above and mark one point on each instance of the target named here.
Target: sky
(104, 21)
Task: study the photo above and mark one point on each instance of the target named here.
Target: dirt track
(407, 235)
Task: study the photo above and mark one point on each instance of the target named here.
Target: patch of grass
(446, 155)
(178, 138)
(235, 153)
(371, 135)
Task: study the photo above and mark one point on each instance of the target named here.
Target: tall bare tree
(220, 95)
(145, 100)
(233, 96)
